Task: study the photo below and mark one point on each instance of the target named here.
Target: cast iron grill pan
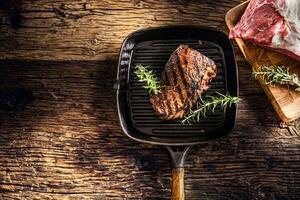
(153, 47)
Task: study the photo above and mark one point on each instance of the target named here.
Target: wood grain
(286, 102)
(177, 186)
(94, 30)
(59, 132)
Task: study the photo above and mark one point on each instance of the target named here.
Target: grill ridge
(156, 54)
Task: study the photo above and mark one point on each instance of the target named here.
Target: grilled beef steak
(186, 75)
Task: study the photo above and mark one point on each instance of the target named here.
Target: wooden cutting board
(285, 102)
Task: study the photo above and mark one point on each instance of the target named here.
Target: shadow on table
(70, 107)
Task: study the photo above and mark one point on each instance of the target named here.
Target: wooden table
(60, 137)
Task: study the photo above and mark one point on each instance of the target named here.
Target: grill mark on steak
(182, 63)
(181, 89)
(189, 79)
(175, 77)
(182, 84)
(170, 75)
(180, 97)
(164, 79)
(186, 75)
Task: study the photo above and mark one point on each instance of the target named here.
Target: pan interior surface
(138, 118)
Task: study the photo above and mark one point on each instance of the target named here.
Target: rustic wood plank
(60, 137)
(94, 30)
(67, 143)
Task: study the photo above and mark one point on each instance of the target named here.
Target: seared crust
(186, 75)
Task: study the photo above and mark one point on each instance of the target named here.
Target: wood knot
(136, 2)
(65, 11)
(95, 41)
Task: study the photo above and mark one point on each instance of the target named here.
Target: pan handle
(177, 163)
(177, 184)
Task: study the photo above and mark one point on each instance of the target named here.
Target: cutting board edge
(233, 15)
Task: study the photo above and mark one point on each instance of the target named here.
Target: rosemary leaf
(204, 107)
(277, 75)
(147, 76)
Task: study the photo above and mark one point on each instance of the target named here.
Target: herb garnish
(204, 107)
(277, 75)
(147, 76)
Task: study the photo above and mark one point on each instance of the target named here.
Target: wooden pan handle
(178, 184)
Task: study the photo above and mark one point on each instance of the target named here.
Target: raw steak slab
(274, 24)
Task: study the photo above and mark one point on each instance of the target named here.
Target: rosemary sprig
(209, 105)
(147, 76)
(277, 75)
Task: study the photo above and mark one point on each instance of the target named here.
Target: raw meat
(186, 75)
(272, 24)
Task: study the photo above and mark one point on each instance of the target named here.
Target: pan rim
(121, 115)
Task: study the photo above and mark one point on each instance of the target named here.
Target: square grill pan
(153, 47)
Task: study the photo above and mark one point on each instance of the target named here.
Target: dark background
(59, 132)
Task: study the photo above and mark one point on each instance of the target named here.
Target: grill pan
(153, 47)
